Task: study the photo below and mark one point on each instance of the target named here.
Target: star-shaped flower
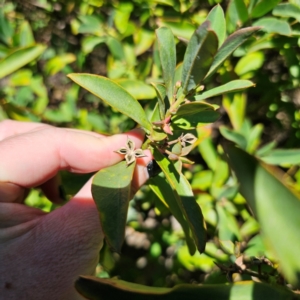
(187, 138)
(130, 153)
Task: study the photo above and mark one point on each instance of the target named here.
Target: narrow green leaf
(143, 40)
(262, 7)
(198, 57)
(122, 15)
(250, 62)
(161, 97)
(178, 72)
(193, 108)
(209, 153)
(188, 122)
(180, 28)
(274, 204)
(164, 192)
(242, 11)
(167, 54)
(88, 43)
(235, 106)
(217, 22)
(26, 37)
(106, 289)
(236, 14)
(231, 86)
(19, 58)
(58, 62)
(113, 94)
(185, 198)
(116, 48)
(274, 25)
(266, 149)
(192, 115)
(158, 135)
(282, 157)
(227, 225)
(6, 29)
(234, 136)
(111, 191)
(138, 89)
(231, 43)
(154, 114)
(254, 138)
(287, 10)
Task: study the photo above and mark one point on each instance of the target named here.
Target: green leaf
(262, 7)
(111, 192)
(88, 43)
(143, 40)
(227, 247)
(193, 108)
(161, 95)
(217, 23)
(114, 95)
(249, 228)
(253, 139)
(231, 43)
(250, 62)
(198, 57)
(178, 72)
(158, 135)
(106, 289)
(138, 89)
(19, 58)
(91, 24)
(6, 28)
(122, 15)
(282, 157)
(180, 28)
(227, 225)
(154, 113)
(274, 204)
(26, 37)
(234, 137)
(188, 122)
(164, 192)
(235, 106)
(58, 62)
(185, 199)
(167, 54)
(116, 48)
(273, 25)
(287, 10)
(266, 149)
(231, 86)
(208, 153)
(237, 14)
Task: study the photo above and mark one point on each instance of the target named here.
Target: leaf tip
(71, 75)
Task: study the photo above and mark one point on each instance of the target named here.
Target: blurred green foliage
(43, 41)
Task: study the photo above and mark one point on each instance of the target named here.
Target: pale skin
(42, 254)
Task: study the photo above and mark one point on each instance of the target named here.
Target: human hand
(41, 254)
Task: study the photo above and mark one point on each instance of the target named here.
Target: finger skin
(44, 262)
(10, 128)
(32, 158)
(41, 255)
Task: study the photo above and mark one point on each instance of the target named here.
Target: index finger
(34, 157)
